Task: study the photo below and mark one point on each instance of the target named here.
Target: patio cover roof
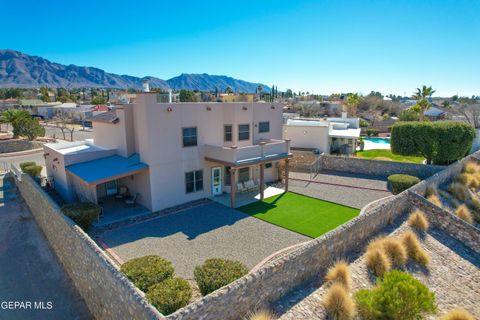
(105, 169)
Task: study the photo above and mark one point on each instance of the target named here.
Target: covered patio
(242, 199)
(111, 183)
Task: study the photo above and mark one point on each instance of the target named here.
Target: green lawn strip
(305, 215)
(383, 154)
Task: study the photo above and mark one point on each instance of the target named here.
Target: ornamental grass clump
(435, 200)
(340, 274)
(431, 190)
(458, 314)
(170, 295)
(146, 271)
(216, 273)
(338, 303)
(395, 251)
(463, 213)
(414, 249)
(262, 315)
(458, 191)
(398, 295)
(475, 206)
(377, 261)
(418, 220)
(471, 167)
(468, 180)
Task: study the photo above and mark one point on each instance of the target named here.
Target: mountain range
(21, 70)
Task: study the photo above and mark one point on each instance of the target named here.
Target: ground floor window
(193, 181)
(243, 174)
(111, 188)
(227, 176)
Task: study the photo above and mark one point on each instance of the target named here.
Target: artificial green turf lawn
(308, 216)
(383, 154)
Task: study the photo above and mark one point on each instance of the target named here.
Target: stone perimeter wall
(106, 291)
(16, 145)
(377, 167)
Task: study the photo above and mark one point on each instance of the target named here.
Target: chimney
(170, 96)
(146, 86)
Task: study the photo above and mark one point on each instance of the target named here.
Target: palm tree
(11, 116)
(260, 88)
(422, 95)
(353, 100)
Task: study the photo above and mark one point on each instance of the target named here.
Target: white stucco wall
(311, 137)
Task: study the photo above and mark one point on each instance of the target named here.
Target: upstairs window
(193, 181)
(227, 132)
(264, 127)
(243, 132)
(189, 136)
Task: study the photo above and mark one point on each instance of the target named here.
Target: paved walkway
(29, 271)
(190, 237)
(353, 190)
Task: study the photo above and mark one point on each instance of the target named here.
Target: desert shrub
(377, 261)
(338, 303)
(475, 206)
(262, 315)
(435, 200)
(440, 142)
(418, 220)
(146, 271)
(395, 251)
(463, 213)
(23, 165)
(216, 273)
(458, 191)
(372, 132)
(431, 191)
(471, 167)
(458, 314)
(33, 171)
(401, 182)
(340, 274)
(414, 249)
(83, 213)
(398, 295)
(170, 295)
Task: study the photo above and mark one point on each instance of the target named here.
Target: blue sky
(317, 46)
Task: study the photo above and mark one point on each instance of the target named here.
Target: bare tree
(470, 113)
(65, 126)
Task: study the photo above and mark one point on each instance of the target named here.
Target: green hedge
(397, 296)
(170, 295)
(146, 271)
(23, 165)
(83, 213)
(372, 132)
(33, 171)
(401, 182)
(440, 142)
(216, 273)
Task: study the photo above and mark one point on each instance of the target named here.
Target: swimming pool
(376, 143)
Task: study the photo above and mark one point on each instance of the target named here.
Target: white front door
(216, 181)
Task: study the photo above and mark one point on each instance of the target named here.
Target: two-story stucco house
(171, 153)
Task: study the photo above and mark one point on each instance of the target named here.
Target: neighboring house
(231, 97)
(328, 135)
(171, 153)
(434, 113)
(122, 97)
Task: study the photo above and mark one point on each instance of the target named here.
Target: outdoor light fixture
(209, 109)
(272, 107)
(244, 108)
(169, 109)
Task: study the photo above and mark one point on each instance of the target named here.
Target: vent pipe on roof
(146, 86)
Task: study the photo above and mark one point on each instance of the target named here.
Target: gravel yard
(190, 237)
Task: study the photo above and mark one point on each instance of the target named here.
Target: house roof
(106, 117)
(106, 169)
(344, 133)
(434, 112)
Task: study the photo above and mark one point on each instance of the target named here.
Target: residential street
(30, 273)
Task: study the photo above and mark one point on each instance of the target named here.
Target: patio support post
(287, 169)
(262, 180)
(233, 187)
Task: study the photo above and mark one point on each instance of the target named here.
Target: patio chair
(131, 200)
(250, 185)
(122, 193)
(240, 187)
